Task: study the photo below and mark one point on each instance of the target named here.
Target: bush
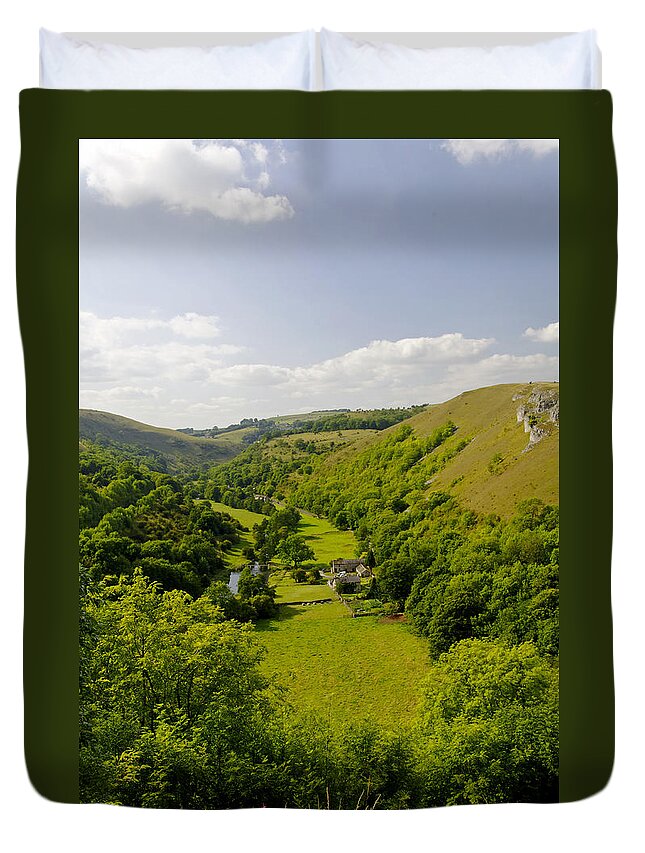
(264, 606)
(371, 605)
(345, 588)
(493, 709)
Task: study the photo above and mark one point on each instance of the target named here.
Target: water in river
(235, 576)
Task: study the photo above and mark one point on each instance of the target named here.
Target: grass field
(328, 542)
(365, 668)
(244, 516)
(288, 590)
(234, 557)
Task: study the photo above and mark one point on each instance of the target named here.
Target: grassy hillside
(496, 470)
(343, 418)
(309, 416)
(288, 446)
(180, 452)
(267, 466)
(485, 463)
(492, 472)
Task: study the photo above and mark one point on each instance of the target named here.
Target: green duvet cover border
(47, 267)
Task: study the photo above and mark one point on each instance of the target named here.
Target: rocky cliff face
(540, 413)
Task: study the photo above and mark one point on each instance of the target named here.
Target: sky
(224, 279)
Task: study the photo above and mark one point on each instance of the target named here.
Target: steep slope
(513, 453)
(504, 449)
(490, 448)
(180, 452)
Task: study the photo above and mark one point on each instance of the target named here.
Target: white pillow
(286, 62)
(566, 62)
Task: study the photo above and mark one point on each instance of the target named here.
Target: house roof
(348, 577)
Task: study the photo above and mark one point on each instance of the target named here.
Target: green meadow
(328, 542)
(244, 516)
(350, 669)
(234, 557)
(289, 591)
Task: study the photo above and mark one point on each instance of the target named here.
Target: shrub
(264, 606)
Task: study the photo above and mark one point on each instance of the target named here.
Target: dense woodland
(175, 711)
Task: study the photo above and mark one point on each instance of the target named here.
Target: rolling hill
(503, 448)
(506, 457)
(170, 448)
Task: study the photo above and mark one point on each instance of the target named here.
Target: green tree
(201, 554)
(174, 706)
(395, 578)
(491, 718)
(295, 550)
(250, 584)
(232, 606)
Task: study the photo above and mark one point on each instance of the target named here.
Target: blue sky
(222, 279)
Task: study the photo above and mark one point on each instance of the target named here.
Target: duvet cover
(295, 482)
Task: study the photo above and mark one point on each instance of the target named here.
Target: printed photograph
(318, 472)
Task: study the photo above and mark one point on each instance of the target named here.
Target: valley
(451, 515)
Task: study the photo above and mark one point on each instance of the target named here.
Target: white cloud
(467, 151)
(263, 181)
(496, 369)
(119, 393)
(375, 364)
(253, 375)
(224, 179)
(546, 335)
(383, 373)
(502, 367)
(193, 325)
(388, 361)
(260, 152)
(162, 372)
(537, 147)
(105, 331)
(126, 351)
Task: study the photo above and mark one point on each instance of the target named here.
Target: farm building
(347, 579)
(353, 566)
